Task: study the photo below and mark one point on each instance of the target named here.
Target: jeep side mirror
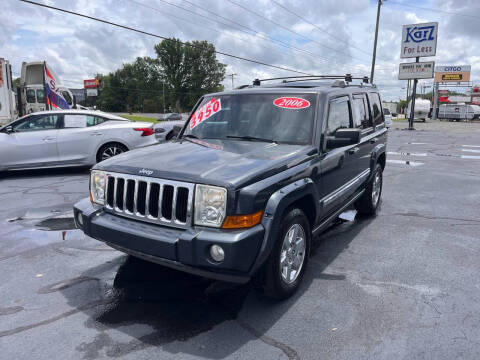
(9, 129)
(344, 137)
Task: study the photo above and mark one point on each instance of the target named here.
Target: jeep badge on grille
(145, 172)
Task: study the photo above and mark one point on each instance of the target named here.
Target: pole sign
(92, 92)
(90, 83)
(455, 73)
(419, 40)
(420, 70)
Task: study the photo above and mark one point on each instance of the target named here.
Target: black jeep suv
(254, 174)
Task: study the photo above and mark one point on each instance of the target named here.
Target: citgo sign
(452, 73)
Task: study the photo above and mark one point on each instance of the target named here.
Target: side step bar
(332, 217)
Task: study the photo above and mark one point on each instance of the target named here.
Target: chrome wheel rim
(292, 255)
(110, 152)
(376, 188)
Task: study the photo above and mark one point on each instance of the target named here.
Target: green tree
(190, 70)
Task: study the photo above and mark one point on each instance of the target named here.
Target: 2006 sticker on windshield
(206, 111)
(291, 103)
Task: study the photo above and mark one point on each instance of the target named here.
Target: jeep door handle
(97, 134)
(354, 150)
(48, 138)
(373, 141)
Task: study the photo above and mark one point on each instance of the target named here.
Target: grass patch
(140, 118)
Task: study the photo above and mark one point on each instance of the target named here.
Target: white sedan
(69, 138)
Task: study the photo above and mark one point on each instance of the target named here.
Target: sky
(329, 37)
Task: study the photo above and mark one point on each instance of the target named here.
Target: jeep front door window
(282, 118)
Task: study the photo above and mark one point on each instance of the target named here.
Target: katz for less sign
(419, 40)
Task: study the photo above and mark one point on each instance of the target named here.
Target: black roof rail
(347, 78)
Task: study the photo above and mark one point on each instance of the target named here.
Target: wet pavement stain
(65, 284)
(175, 306)
(57, 224)
(10, 310)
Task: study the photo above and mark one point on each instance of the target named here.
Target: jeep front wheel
(369, 201)
(288, 261)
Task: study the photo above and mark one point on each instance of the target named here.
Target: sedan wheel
(111, 151)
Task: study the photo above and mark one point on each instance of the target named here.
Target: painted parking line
(475, 157)
(405, 153)
(405, 162)
(414, 143)
(474, 146)
(471, 150)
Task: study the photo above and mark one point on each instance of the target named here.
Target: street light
(380, 2)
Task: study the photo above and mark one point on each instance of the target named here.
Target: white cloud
(79, 48)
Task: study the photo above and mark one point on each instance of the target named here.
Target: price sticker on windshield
(205, 112)
(291, 103)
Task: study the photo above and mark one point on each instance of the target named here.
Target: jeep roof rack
(347, 78)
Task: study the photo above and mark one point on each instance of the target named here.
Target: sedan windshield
(282, 118)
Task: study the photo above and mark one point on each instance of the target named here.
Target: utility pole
(163, 91)
(414, 94)
(375, 43)
(232, 75)
(435, 101)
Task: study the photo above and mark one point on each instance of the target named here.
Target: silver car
(69, 138)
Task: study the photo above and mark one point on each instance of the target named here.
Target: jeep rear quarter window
(376, 109)
(361, 111)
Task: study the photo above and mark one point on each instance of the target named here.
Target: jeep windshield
(282, 118)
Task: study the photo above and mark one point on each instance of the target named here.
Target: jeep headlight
(97, 186)
(210, 205)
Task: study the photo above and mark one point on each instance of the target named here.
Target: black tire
(120, 148)
(272, 280)
(367, 205)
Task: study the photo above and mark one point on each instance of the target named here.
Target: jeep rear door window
(339, 116)
(362, 115)
(282, 118)
(376, 108)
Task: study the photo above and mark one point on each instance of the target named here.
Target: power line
(318, 27)
(265, 37)
(159, 36)
(290, 30)
(313, 55)
(433, 10)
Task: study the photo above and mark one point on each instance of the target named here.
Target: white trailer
(422, 109)
(8, 108)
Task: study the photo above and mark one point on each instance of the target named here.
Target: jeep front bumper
(186, 250)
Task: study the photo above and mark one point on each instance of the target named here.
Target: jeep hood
(230, 163)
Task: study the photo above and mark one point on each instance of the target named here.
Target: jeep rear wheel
(369, 201)
(287, 263)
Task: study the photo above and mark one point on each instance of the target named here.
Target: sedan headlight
(210, 205)
(98, 180)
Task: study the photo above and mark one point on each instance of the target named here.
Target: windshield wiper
(250, 138)
(190, 136)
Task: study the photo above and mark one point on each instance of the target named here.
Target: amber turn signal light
(242, 221)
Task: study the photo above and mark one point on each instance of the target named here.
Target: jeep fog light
(210, 205)
(97, 186)
(217, 253)
(79, 220)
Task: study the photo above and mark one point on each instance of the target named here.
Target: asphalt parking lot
(403, 285)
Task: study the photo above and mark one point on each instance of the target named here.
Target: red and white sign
(206, 111)
(291, 103)
(90, 83)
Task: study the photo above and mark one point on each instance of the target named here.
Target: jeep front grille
(154, 200)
